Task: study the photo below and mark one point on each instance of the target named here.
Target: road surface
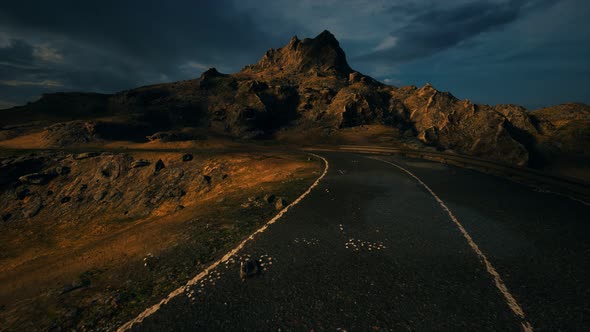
(371, 249)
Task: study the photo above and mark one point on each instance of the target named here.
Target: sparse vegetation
(78, 270)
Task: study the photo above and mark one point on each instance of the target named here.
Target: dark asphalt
(420, 273)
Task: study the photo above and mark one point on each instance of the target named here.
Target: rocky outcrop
(70, 133)
(441, 120)
(562, 131)
(105, 185)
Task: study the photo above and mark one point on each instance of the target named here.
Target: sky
(533, 53)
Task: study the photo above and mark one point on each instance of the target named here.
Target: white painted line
(510, 300)
(149, 311)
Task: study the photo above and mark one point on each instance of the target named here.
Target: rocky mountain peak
(321, 54)
(210, 73)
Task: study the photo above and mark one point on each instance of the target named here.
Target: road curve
(372, 248)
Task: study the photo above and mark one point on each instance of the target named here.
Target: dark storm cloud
(432, 29)
(150, 30)
(112, 45)
(16, 54)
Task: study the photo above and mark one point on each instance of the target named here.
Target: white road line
(149, 311)
(510, 300)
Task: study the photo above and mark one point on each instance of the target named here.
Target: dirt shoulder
(101, 238)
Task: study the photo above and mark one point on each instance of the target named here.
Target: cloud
(392, 81)
(4, 104)
(158, 33)
(16, 53)
(110, 45)
(47, 53)
(45, 83)
(386, 44)
(196, 65)
(432, 29)
(4, 40)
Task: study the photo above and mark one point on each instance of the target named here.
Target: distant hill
(307, 86)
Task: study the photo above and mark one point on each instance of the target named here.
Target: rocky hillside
(308, 84)
(93, 184)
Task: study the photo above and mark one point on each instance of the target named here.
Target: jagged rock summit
(319, 55)
(307, 87)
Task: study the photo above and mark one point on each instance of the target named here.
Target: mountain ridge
(308, 84)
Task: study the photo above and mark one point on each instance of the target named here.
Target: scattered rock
(140, 163)
(207, 179)
(159, 165)
(110, 170)
(22, 193)
(269, 198)
(280, 203)
(253, 201)
(177, 192)
(37, 178)
(100, 195)
(85, 155)
(75, 285)
(117, 195)
(62, 170)
(33, 208)
(150, 261)
(187, 157)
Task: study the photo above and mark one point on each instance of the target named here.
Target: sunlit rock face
(308, 84)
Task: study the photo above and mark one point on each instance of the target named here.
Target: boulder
(249, 268)
(187, 157)
(150, 261)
